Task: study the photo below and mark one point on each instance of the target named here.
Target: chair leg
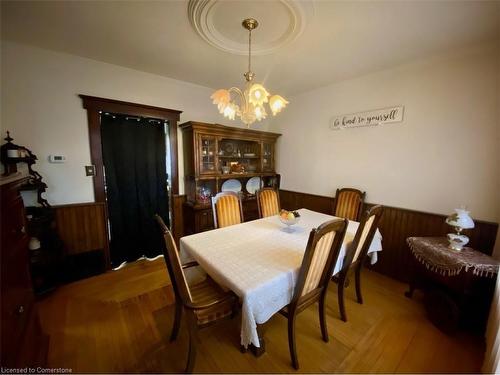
(291, 341)
(341, 287)
(322, 320)
(236, 309)
(358, 285)
(192, 348)
(347, 281)
(177, 321)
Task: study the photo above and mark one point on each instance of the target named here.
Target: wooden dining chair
(268, 202)
(227, 209)
(348, 203)
(205, 303)
(356, 254)
(321, 254)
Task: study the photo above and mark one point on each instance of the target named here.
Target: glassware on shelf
(204, 195)
(207, 154)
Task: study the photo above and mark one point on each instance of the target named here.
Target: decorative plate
(253, 185)
(231, 185)
(229, 148)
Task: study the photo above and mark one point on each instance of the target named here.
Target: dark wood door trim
(95, 105)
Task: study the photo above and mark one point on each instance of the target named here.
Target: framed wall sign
(368, 118)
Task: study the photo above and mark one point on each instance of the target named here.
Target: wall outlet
(90, 170)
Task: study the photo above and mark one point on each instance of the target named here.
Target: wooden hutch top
(216, 153)
(205, 143)
(228, 131)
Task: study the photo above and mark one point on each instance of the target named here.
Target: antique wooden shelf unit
(23, 343)
(213, 154)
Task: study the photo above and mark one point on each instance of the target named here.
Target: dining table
(259, 261)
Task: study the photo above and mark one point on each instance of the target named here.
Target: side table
(458, 285)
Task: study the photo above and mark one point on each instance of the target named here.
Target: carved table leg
(413, 277)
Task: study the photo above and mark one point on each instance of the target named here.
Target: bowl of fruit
(289, 217)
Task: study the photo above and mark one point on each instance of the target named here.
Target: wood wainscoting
(396, 225)
(82, 228)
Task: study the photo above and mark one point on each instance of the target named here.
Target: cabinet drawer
(204, 220)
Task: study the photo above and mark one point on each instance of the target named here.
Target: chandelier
(248, 104)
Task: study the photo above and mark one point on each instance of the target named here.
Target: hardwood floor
(120, 322)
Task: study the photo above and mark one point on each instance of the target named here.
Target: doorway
(145, 137)
(136, 183)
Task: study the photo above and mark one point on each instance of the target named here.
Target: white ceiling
(340, 39)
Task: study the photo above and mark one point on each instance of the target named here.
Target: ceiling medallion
(249, 106)
(286, 18)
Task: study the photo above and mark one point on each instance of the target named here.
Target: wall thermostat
(57, 158)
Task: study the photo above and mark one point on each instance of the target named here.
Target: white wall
(445, 153)
(41, 108)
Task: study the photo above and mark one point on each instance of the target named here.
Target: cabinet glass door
(268, 157)
(207, 146)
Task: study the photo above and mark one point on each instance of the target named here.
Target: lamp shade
(460, 218)
(277, 103)
(257, 95)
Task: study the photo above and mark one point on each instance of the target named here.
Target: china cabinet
(220, 158)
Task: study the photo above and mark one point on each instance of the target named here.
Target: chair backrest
(227, 209)
(358, 249)
(268, 202)
(174, 266)
(321, 254)
(348, 203)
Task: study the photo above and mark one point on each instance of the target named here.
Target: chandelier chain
(250, 50)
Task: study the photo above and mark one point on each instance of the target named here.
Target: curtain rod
(150, 120)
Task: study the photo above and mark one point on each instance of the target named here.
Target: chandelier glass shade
(248, 104)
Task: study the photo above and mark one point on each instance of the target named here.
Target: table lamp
(460, 219)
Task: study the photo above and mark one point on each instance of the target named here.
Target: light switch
(90, 170)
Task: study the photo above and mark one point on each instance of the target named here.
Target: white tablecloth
(259, 261)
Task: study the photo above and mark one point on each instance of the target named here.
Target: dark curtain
(134, 158)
